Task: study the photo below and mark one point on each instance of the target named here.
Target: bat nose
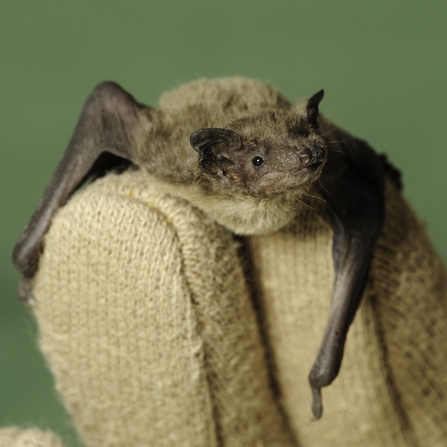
(318, 153)
(310, 156)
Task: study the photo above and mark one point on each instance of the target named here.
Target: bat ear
(312, 108)
(214, 147)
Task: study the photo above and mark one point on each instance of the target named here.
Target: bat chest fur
(241, 213)
(246, 215)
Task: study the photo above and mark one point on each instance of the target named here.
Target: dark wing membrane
(109, 131)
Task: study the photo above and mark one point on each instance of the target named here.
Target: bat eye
(257, 161)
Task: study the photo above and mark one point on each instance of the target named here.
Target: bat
(245, 155)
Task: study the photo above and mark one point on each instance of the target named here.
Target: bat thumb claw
(317, 405)
(25, 292)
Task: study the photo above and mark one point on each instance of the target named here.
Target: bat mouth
(310, 167)
(313, 166)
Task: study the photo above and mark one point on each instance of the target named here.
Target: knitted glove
(392, 386)
(145, 319)
(148, 326)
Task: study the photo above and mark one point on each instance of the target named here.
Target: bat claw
(25, 292)
(317, 405)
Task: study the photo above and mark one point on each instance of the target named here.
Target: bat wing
(110, 130)
(352, 183)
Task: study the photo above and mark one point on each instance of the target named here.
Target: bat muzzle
(312, 157)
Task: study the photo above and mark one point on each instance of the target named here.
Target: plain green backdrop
(382, 65)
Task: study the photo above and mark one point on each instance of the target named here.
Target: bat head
(266, 153)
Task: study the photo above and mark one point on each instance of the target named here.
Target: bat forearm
(69, 173)
(105, 125)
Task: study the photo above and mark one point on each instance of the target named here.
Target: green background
(382, 64)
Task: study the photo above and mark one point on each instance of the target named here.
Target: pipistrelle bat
(245, 155)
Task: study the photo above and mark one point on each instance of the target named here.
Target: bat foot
(25, 292)
(317, 405)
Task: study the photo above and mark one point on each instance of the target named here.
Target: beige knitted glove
(147, 324)
(392, 386)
